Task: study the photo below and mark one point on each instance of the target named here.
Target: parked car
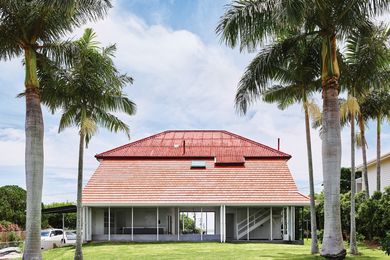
(70, 237)
(52, 238)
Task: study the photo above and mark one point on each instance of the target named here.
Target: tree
(87, 93)
(28, 28)
(13, 204)
(250, 23)
(366, 67)
(297, 68)
(376, 105)
(349, 109)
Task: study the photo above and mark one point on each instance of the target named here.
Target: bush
(320, 235)
(13, 237)
(385, 243)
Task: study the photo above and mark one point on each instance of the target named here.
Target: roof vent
(198, 165)
(176, 145)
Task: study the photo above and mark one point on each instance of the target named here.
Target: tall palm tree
(87, 93)
(366, 67)
(297, 68)
(250, 23)
(28, 28)
(348, 111)
(376, 105)
(366, 61)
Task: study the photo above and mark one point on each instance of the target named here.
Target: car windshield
(45, 233)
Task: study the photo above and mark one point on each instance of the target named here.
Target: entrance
(229, 226)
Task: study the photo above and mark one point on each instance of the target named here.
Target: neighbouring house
(371, 174)
(193, 186)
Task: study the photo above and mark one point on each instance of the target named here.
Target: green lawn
(204, 250)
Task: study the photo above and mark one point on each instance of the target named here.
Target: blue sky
(184, 79)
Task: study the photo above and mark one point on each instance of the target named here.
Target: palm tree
(366, 67)
(28, 28)
(250, 23)
(349, 109)
(376, 105)
(87, 93)
(297, 68)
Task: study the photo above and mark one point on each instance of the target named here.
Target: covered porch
(193, 223)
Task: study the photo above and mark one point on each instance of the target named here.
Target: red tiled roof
(221, 145)
(173, 182)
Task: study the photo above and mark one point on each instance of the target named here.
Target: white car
(51, 238)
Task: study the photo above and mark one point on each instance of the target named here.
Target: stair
(255, 220)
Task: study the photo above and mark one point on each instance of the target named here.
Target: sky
(184, 78)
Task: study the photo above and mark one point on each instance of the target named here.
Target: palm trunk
(378, 153)
(364, 154)
(332, 245)
(353, 245)
(33, 159)
(313, 221)
(79, 253)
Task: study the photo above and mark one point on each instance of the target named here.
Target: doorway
(229, 226)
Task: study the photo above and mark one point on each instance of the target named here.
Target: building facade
(193, 186)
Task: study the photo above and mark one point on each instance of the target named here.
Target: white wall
(385, 176)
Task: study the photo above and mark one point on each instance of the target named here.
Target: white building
(371, 173)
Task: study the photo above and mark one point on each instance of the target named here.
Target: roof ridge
(129, 144)
(278, 152)
(256, 143)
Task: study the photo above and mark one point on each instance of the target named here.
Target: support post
(288, 223)
(270, 224)
(63, 221)
(157, 226)
(224, 223)
(247, 223)
(109, 223)
(132, 223)
(201, 224)
(220, 223)
(178, 224)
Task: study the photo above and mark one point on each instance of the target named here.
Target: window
(198, 165)
(196, 222)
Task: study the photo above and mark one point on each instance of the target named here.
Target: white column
(224, 223)
(201, 224)
(132, 223)
(178, 224)
(288, 223)
(90, 224)
(63, 221)
(220, 223)
(247, 223)
(270, 224)
(109, 224)
(157, 225)
(292, 223)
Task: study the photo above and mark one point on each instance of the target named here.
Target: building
(371, 174)
(193, 186)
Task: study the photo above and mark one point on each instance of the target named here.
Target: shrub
(385, 243)
(13, 237)
(320, 235)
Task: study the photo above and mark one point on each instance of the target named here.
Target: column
(178, 224)
(247, 223)
(157, 226)
(90, 224)
(132, 223)
(109, 224)
(220, 223)
(288, 223)
(224, 223)
(201, 224)
(292, 209)
(270, 224)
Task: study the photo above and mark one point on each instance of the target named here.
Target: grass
(206, 250)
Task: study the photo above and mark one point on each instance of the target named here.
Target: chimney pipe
(184, 147)
(278, 144)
